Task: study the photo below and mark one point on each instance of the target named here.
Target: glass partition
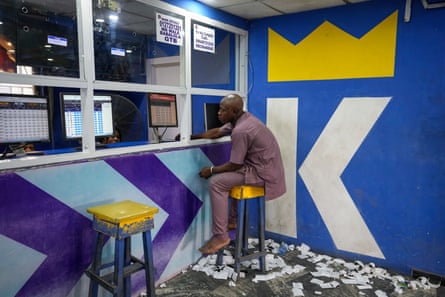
(136, 42)
(214, 56)
(37, 37)
(120, 118)
(130, 50)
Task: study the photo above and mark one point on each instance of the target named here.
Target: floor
(294, 271)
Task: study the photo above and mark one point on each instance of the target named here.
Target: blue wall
(396, 176)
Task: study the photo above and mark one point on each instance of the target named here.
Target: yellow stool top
(123, 211)
(246, 192)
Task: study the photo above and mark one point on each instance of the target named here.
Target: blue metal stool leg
(127, 262)
(149, 268)
(219, 257)
(246, 228)
(261, 230)
(119, 268)
(97, 263)
(239, 235)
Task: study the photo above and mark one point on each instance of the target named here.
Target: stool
(242, 193)
(121, 220)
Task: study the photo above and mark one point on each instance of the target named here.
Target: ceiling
(255, 9)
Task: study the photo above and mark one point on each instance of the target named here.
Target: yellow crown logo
(331, 53)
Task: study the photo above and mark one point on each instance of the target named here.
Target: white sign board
(169, 29)
(204, 39)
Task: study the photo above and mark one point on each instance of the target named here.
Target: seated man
(255, 159)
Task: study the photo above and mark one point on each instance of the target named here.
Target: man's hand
(205, 172)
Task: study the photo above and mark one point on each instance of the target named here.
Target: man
(255, 159)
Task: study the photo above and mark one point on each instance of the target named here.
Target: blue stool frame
(242, 252)
(118, 282)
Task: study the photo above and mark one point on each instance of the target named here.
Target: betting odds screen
(103, 115)
(24, 119)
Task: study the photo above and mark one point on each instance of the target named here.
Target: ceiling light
(113, 17)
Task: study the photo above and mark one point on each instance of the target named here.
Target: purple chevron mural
(37, 220)
(158, 183)
(43, 212)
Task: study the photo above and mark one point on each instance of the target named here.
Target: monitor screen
(162, 110)
(24, 119)
(72, 115)
(211, 116)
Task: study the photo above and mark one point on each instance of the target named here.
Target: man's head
(230, 108)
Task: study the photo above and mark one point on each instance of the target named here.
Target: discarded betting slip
(338, 271)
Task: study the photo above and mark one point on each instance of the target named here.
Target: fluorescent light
(113, 17)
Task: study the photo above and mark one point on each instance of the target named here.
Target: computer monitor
(162, 110)
(211, 116)
(72, 116)
(24, 119)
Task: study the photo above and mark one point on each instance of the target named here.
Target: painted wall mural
(331, 53)
(46, 236)
(371, 119)
(323, 167)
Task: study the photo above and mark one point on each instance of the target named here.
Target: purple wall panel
(37, 220)
(218, 154)
(43, 223)
(149, 175)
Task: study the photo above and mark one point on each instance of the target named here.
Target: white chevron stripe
(17, 264)
(324, 165)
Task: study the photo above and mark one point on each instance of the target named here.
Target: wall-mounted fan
(127, 119)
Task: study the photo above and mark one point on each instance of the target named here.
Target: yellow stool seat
(246, 192)
(121, 220)
(123, 212)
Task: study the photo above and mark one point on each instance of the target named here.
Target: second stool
(121, 220)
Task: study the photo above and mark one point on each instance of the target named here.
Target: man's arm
(209, 134)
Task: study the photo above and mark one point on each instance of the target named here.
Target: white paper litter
(328, 273)
(297, 289)
(297, 285)
(380, 293)
(297, 292)
(364, 287)
(264, 277)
